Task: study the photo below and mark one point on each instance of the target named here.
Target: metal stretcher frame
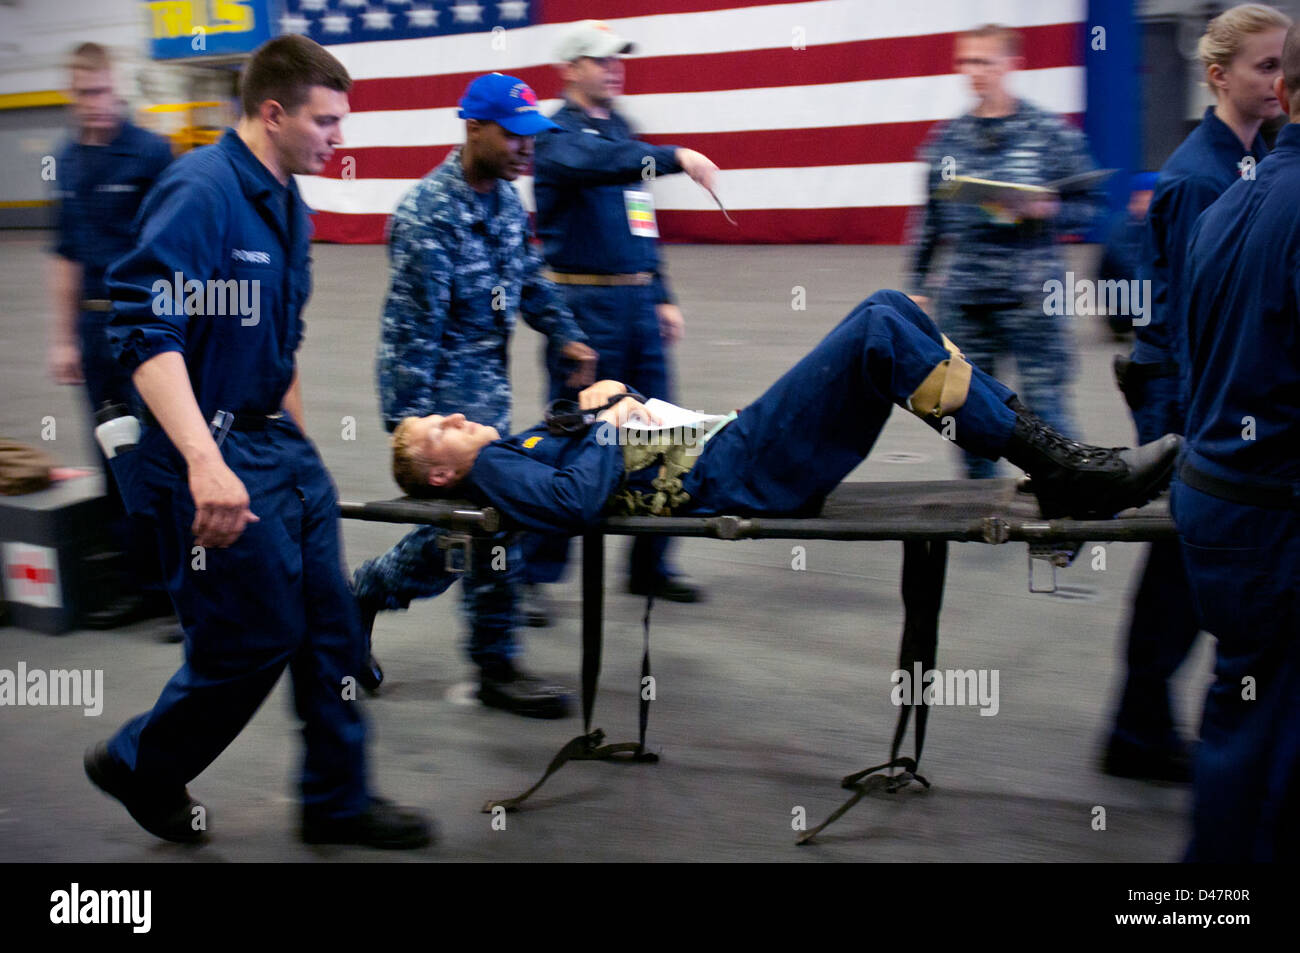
(924, 515)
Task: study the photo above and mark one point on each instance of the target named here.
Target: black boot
(1171, 762)
(170, 814)
(382, 824)
(510, 689)
(1082, 481)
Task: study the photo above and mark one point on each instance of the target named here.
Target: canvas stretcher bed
(924, 516)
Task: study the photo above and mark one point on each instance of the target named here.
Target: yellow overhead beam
(48, 97)
(179, 107)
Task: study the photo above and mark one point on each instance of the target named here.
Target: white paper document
(672, 417)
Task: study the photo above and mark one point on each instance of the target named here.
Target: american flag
(813, 110)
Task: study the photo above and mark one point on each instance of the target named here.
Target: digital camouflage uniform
(458, 276)
(991, 296)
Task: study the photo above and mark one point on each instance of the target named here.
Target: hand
(599, 394)
(672, 326)
(699, 167)
(65, 363)
(1040, 208)
(220, 504)
(922, 301)
(585, 358)
(628, 409)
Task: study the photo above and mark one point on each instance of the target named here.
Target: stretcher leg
(589, 746)
(925, 564)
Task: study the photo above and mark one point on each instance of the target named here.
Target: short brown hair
(411, 470)
(285, 69)
(1012, 42)
(90, 56)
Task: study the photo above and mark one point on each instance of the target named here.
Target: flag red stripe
(565, 11)
(755, 149)
(835, 226)
(930, 55)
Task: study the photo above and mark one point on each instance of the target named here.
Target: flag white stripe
(712, 31)
(867, 185)
(866, 102)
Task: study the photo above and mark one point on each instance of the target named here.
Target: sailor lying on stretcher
(786, 451)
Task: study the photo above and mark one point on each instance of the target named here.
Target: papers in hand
(671, 417)
(969, 190)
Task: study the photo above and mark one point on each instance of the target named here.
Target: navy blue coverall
(1163, 625)
(583, 171)
(1237, 507)
(100, 189)
(278, 596)
(784, 452)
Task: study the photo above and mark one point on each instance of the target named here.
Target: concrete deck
(767, 694)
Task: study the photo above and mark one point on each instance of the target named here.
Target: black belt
(256, 421)
(243, 422)
(1266, 493)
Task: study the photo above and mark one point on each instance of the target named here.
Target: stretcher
(924, 516)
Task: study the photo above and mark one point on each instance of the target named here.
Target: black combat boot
(506, 687)
(382, 824)
(1082, 481)
(170, 814)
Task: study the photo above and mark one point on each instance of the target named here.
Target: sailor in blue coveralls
(207, 316)
(1242, 54)
(786, 451)
(595, 217)
(462, 266)
(101, 176)
(1236, 498)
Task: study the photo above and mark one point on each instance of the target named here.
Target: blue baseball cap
(507, 101)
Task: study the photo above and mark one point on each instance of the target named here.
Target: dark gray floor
(767, 694)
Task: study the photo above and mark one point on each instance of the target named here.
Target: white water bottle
(117, 430)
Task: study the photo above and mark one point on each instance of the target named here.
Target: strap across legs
(945, 388)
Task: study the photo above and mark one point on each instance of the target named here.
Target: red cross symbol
(26, 572)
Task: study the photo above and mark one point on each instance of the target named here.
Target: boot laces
(1073, 453)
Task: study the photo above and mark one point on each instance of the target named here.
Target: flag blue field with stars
(364, 21)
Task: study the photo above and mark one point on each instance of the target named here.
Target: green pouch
(674, 459)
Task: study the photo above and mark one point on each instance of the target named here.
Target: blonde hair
(1226, 34)
(1011, 40)
(410, 470)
